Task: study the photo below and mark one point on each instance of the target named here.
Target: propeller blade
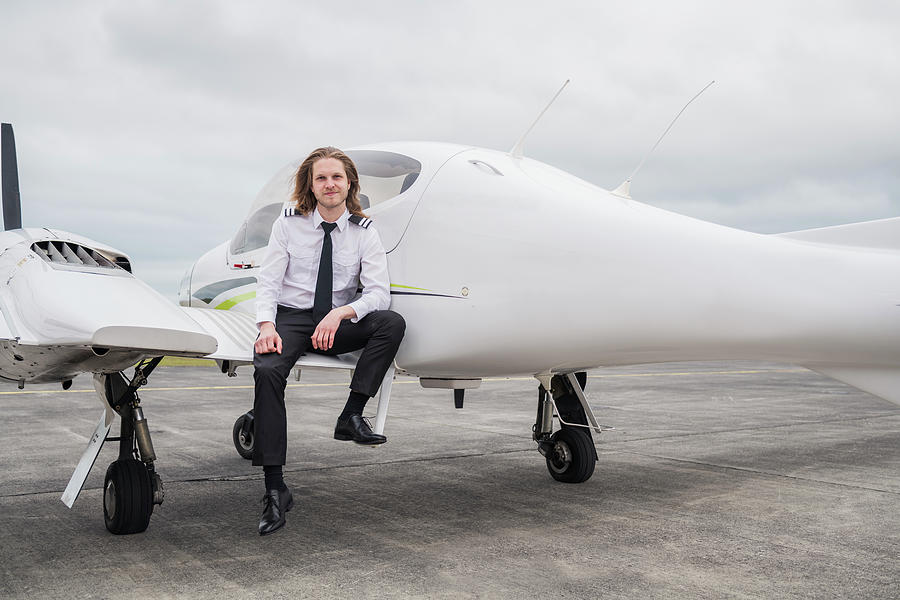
(12, 207)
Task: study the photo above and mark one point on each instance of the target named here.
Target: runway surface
(720, 480)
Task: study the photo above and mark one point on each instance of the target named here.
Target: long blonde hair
(303, 197)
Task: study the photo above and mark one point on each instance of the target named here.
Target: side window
(239, 240)
(383, 175)
(255, 231)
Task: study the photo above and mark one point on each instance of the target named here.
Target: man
(319, 253)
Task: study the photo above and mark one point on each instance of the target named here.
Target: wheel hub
(109, 499)
(560, 457)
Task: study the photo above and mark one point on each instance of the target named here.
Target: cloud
(139, 122)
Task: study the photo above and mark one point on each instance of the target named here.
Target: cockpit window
(383, 175)
(255, 231)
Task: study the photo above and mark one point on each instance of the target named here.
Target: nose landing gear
(570, 452)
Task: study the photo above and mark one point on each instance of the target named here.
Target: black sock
(274, 477)
(355, 405)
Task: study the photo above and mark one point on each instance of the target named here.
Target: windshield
(255, 231)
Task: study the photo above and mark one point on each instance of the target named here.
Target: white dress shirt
(291, 266)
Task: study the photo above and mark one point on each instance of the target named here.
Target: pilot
(319, 253)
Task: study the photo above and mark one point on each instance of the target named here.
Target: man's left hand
(323, 336)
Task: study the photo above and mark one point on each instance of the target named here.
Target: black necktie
(322, 302)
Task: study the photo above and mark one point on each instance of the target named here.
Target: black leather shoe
(276, 504)
(356, 428)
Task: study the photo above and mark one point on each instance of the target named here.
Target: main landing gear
(132, 486)
(570, 451)
(243, 435)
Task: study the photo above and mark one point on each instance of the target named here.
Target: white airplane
(501, 265)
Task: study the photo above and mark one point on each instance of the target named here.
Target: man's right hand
(268, 340)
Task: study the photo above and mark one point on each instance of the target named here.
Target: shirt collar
(341, 222)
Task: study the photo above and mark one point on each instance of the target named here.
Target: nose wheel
(570, 456)
(570, 451)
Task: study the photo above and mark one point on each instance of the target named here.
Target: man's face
(329, 182)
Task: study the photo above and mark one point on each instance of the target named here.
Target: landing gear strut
(570, 452)
(132, 486)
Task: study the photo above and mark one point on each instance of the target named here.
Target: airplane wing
(236, 331)
(882, 233)
(883, 382)
(68, 309)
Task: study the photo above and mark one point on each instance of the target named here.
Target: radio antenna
(516, 151)
(624, 189)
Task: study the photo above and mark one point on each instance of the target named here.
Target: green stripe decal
(409, 287)
(236, 300)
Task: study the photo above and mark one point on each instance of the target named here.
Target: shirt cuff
(263, 316)
(361, 308)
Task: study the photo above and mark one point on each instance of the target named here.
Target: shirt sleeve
(373, 276)
(271, 274)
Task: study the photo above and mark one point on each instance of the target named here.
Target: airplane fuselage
(504, 265)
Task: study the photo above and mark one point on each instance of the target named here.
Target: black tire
(127, 497)
(571, 459)
(244, 447)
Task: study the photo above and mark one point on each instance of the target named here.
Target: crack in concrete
(760, 472)
(259, 475)
(758, 428)
(604, 448)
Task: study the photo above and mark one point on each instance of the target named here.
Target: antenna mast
(516, 151)
(625, 187)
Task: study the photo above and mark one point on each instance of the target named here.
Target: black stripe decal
(209, 292)
(393, 293)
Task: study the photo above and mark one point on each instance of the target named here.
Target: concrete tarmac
(720, 480)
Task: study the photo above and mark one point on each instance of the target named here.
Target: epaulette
(363, 222)
(290, 212)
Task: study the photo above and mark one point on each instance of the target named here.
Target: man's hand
(323, 336)
(268, 340)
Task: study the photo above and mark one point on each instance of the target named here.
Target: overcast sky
(151, 126)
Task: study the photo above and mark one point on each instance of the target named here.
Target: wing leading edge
(882, 234)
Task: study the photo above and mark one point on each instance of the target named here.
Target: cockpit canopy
(383, 175)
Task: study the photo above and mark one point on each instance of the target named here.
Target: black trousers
(379, 335)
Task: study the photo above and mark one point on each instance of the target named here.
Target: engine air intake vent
(67, 253)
